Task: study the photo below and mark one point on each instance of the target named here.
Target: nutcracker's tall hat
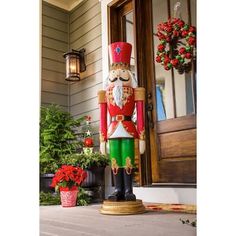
(120, 54)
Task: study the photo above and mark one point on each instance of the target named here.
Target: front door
(173, 101)
(171, 97)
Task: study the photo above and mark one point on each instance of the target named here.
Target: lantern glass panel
(67, 67)
(74, 65)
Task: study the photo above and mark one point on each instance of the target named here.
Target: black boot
(129, 196)
(118, 194)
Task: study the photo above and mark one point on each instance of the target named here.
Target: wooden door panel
(180, 123)
(185, 170)
(178, 144)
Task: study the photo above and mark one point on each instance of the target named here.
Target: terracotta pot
(68, 198)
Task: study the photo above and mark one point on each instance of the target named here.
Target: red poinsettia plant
(68, 177)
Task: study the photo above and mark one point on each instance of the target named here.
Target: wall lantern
(74, 64)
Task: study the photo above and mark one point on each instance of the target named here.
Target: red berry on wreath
(192, 29)
(88, 142)
(160, 36)
(167, 60)
(158, 59)
(176, 33)
(175, 62)
(168, 29)
(180, 23)
(188, 55)
(184, 33)
(161, 47)
(191, 40)
(182, 50)
(168, 39)
(175, 20)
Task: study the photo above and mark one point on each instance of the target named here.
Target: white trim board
(162, 194)
(67, 5)
(178, 195)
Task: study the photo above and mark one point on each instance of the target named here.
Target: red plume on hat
(120, 53)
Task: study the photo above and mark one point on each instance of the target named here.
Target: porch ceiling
(65, 4)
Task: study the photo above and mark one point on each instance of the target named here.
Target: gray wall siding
(85, 31)
(61, 30)
(55, 41)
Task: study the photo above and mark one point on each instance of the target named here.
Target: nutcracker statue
(118, 102)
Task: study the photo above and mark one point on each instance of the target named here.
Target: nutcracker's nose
(118, 74)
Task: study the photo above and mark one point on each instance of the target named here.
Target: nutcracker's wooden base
(122, 207)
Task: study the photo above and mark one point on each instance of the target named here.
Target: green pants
(122, 154)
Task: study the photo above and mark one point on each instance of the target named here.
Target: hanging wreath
(177, 45)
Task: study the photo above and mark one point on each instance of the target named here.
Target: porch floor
(87, 221)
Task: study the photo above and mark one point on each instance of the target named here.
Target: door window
(175, 92)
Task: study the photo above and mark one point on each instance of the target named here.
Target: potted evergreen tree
(57, 139)
(91, 161)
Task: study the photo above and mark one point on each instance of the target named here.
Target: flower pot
(45, 182)
(68, 198)
(94, 184)
(95, 177)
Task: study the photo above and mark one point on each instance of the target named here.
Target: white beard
(118, 93)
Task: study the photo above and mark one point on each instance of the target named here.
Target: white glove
(103, 148)
(142, 146)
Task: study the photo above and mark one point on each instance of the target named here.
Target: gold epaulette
(139, 94)
(101, 96)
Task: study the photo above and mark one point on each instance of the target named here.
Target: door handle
(150, 119)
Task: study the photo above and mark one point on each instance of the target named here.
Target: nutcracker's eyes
(112, 76)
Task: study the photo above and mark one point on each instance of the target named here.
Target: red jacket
(131, 97)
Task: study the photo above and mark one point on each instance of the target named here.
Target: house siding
(85, 32)
(61, 31)
(55, 32)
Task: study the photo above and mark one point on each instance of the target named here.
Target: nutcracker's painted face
(121, 76)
